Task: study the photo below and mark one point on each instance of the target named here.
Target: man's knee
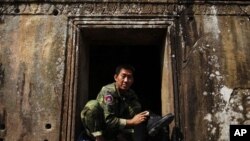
(92, 116)
(92, 110)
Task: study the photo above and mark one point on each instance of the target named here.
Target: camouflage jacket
(117, 106)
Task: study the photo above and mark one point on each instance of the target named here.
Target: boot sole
(164, 121)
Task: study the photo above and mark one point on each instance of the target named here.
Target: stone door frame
(75, 24)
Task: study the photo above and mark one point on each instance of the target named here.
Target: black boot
(156, 122)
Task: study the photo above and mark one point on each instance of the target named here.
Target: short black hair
(124, 66)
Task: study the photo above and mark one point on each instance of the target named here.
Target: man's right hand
(137, 119)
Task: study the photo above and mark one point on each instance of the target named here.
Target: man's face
(124, 79)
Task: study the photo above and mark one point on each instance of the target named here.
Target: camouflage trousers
(92, 117)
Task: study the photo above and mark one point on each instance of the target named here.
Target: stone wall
(214, 74)
(207, 44)
(32, 56)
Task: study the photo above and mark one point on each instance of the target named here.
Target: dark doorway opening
(102, 49)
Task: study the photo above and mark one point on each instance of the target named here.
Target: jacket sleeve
(134, 104)
(109, 103)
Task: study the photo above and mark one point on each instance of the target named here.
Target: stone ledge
(139, 1)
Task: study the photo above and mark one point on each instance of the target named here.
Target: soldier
(116, 111)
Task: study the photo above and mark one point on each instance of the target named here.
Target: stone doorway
(140, 47)
(98, 48)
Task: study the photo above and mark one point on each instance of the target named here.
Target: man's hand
(137, 119)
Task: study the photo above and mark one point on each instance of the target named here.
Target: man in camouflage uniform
(116, 111)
